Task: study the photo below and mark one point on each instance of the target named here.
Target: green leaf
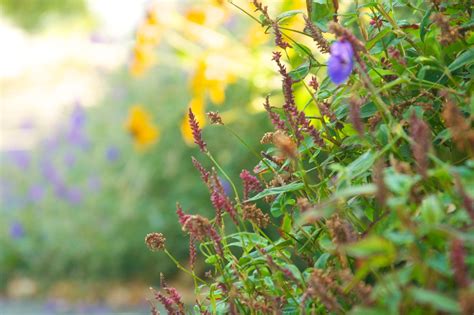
(431, 210)
(277, 190)
(301, 72)
(372, 246)
(371, 43)
(400, 238)
(211, 260)
(439, 301)
(322, 261)
(399, 183)
(286, 224)
(321, 13)
(360, 310)
(302, 50)
(345, 193)
(424, 23)
(465, 58)
(288, 14)
(361, 164)
(368, 110)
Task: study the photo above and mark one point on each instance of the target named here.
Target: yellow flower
(197, 106)
(216, 90)
(141, 128)
(196, 15)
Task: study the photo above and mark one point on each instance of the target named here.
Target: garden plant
(361, 198)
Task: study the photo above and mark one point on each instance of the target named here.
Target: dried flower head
(221, 201)
(279, 41)
(277, 122)
(421, 134)
(449, 34)
(215, 118)
(340, 229)
(250, 182)
(255, 215)
(204, 173)
(285, 144)
(354, 114)
(303, 204)
(155, 241)
(196, 130)
(345, 35)
(199, 228)
(378, 178)
(267, 138)
(458, 263)
(319, 287)
(314, 83)
(460, 128)
(317, 35)
(466, 301)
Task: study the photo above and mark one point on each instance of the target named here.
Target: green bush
(362, 202)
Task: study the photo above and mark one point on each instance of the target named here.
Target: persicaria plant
(361, 201)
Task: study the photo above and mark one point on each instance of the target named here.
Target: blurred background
(94, 145)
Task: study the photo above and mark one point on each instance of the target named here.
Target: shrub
(363, 200)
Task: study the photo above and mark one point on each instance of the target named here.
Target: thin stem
(178, 264)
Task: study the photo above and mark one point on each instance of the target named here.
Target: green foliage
(377, 218)
(30, 14)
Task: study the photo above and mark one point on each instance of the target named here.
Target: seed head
(155, 241)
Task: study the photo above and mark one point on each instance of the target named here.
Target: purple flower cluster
(58, 154)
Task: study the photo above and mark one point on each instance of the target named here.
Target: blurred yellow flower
(216, 90)
(141, 128)
(196, 15)
(148, 36)
(197, 106)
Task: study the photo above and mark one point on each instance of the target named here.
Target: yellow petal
(217, 91)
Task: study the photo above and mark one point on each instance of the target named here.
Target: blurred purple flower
(112, 154)
(341, 61)
(27, 124)
(74, 196)
(94, 183)
(97, 38)
(226, 186)
(61, 190)
(50, 173)
(36, 193)
(21, 158)
(16, 230)
(75, 133)
(50, 145)
(70, 160)
(78, 116)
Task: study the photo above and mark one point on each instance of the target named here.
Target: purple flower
(50, 173)
(112, 154)
(36, 193)
(341, 62)
(226, 186)
(75, 133)
(74, 196)
(94, 183)
(20, 158)
(70, 160)
(16, 230)
(61, 190)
